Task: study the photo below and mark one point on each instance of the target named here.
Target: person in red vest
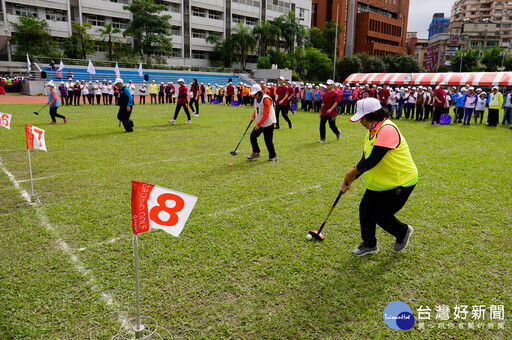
(202, 92)
(182, 102)
(283, 100)
(230, 92)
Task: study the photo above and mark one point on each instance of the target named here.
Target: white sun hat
(255, 89)
(365, 106)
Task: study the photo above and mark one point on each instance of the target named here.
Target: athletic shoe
(194, 114)
(253, 155)
(53, 122)
(402, 244)
(290, 124)
(272, 159)
(172, 121)
(65, 120)
(322, 141)
(364, 250)
(188, 122)
(338, 136)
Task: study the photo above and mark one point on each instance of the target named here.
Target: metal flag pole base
(149, 329)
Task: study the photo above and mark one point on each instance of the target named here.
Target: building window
(251, 21)
(120, 1)
(176, 30)
(15, 9)
(302, 14)
(176, 53)
(120, 23)
(237, 18)
(55, 15)
(94, 20)
(199, 54)
(199, 12)
(100, 46)
(175, 8)
(214, 15)
(197, 33)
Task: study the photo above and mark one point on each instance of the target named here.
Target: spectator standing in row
(84, 89)
(63, 92)
(458, 100)
(346, 94)
(90, 96)
(143, 92)
(410, 104)
(230, 92)
(202, 92)
(153, 91)
(507, 106)
(104, 92)
(71, 94)
(181, 102)
(168, 95)
(97, 92)
(317, 99)
(161, 93)
(400, 97)
(470, 100)
(209, 93)
(110, 89)
(440, 103)
(392, 102)
(480, 105)
(357, 94)
(494, 102)
(329, 112)
(421, 100)
(428, 105)
(77, 92)
(383, 96)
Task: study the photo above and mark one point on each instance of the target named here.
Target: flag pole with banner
(61, 66)
(150, 210)
(91, 70)
(35, 140)
(29, 67)
(5, 120)
(141, 73)
(116, 70)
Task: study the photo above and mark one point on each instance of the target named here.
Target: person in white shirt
(104, 92)
(143, 92)
(392, 101)
(69, 88)
(110, 92)
(421, 101)
(480, 105)
(131, 87)
(410, 103)
(85, 92)
(97, 92)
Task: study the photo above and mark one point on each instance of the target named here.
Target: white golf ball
(309, 237)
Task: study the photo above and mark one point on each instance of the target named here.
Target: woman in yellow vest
(390, 175)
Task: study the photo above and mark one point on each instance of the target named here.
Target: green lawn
(242, 268)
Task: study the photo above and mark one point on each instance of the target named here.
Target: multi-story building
(485, 11)
(192, 21)
(380, 26)
(439, 24)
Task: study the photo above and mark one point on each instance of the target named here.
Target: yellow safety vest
(396, 168)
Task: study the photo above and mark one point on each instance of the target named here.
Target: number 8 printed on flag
(155, 207)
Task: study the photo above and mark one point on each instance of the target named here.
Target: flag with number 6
(5, 120)
(154, 207)
(35, 138)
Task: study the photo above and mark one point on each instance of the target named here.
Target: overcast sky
(421, 12)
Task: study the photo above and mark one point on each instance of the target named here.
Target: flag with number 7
(155, 207)
(35, 138)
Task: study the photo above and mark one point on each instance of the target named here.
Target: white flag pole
(139, 328)
(30, 171)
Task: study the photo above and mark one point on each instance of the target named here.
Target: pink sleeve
(388, 137)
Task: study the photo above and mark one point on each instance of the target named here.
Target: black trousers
(54, 114)
(318, 105)
(124, 116)
(91, 98)
(229, 99)
(161, 98)
(353, 105)
(153, 97)
(192, 102)
(268, 135)
(436, 116)
(98, 99)
(69, 98)
(178, 108)
(202, 99)
(283, 109)
(419, 112)
(110, 96)
(332, 125)
(209, 98)
(168, 98)
(459, 113)
(428, 111)
(380, 207)
(104, 96)
(142, 99)
(345, 107)
(493, 117)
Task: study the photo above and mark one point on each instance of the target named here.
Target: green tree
(243, 42)
(71, 47)
(267, 34)
(264, 63)
(469, 61)
(149, 29)
(32, 36)
(401, 63)
(315, 38)
(492, 59)
(318, 66)
(371, 64)
(281, 59)
(348, 65)
(329, 34)
(222, 53)
(289, 27)
(84, 39)
(107, 32)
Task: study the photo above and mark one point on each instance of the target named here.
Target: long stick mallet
(37, 112)
(234, 152)
(317, 234)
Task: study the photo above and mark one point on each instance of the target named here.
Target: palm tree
(267, 33)
(290, 29)
(243, 41)
(108, 32)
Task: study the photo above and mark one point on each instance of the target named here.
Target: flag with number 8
(155, 207)
(5, 120)
(35, 138)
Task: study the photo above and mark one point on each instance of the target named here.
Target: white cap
(208, 83)
(479, 89)
(281, 78)
(119, 80)
(495, 88)
(463, 89)
(289, 82)
(365, 106)
(483, 93)
(97, 81)
(471, 88)
(181, 80)
(330, 82)
(255, 89)
(70, 79)
(262, 82)
(50, 83)
(442, 83)
(63, 82)
(414, 87)
(357, 84)
(162, 82)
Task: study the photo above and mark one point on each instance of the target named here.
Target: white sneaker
(194, 115)
(188, 122)
(172, 121)
(322, 141)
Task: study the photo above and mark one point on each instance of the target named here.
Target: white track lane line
(227, 211)
(70, 252)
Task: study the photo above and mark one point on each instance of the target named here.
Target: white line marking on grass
(64, 246)
(227, 211)
(35, 179)
(99, 244)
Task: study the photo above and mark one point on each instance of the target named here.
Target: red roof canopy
(449, 78)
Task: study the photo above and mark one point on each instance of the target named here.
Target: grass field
(242, 267)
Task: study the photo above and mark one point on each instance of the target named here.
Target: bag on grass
(445, 120)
